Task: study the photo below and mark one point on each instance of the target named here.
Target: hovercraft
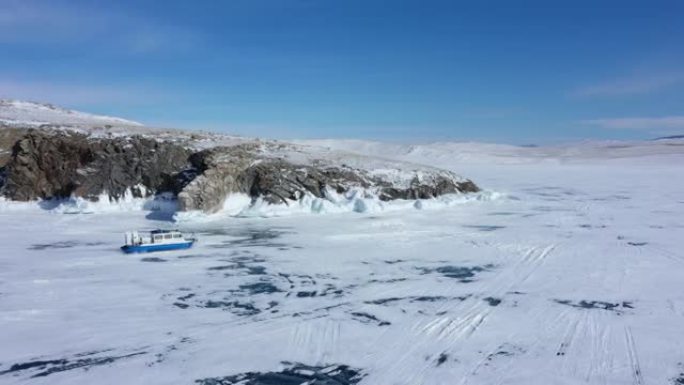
(157, 240)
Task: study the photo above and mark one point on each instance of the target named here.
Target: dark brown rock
(434, 187)
(225, 170)
(8, 136)
(57, 165)
(279, 181)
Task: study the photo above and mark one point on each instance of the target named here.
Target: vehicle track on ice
(474, 310)
(508, 281)
(569, 336)
(591, 349)
(461, 319)
(317, 337)
(637, 375)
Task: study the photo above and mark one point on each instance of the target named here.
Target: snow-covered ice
(570, 273)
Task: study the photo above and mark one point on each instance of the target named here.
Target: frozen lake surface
(571, 273)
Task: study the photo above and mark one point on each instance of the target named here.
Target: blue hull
(160, 247)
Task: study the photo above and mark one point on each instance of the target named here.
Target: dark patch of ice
(637, 243)
(493, 301)
(367, 318)
(247, 232)
(153, 259)
(223, 267)
(499, 353)
(63, 245)
(504, 350)
(183, 301)
(610, 306)
(423, 298)
(305, 279)
(296, 374)
(92, 353)
(161, 357)
(679, 380)
(254, 237)
(332, 290)
(186, 297)
(43, 368)
(430, 298)
(442, 359)
(462, 273)
(236, 307)
(484, 227)
(384, 301)
(260, 288)
(392, 262)
(256, 270)
(243, 263)
(588, 226)
(391, 280)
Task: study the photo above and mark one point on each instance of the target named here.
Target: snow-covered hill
(16, 112)
(446, 154)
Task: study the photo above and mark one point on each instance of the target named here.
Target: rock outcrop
(219, 172)
(8, 136)
(240, 169)
(46, 164)
(56, 165)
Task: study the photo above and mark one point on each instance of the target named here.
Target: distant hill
(23, 113)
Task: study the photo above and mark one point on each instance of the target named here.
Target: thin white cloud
(39, 22)
(664, 124)
(29, 21)
(632, 86)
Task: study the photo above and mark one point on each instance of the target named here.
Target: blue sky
(502, 71)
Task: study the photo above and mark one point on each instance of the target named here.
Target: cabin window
(176, 235)
(158, 238)
(167, 236)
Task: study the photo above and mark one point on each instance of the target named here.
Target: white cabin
(133, 238)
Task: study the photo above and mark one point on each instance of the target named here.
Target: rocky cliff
(236, 169)
(46, 164)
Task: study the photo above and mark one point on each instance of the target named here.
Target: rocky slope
(200, 169)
